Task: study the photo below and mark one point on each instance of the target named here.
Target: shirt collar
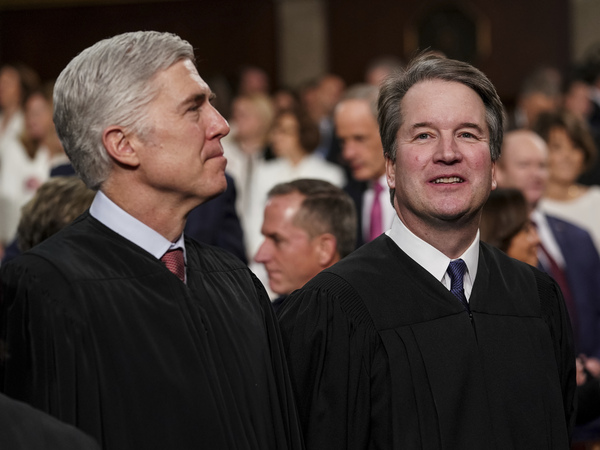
(430, 258)
(114, 217)
(382, 180)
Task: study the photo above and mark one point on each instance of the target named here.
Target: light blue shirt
(431, 259)
(108, 213)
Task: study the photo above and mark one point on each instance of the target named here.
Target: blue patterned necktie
(456, 270)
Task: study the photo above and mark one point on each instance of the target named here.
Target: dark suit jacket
(216, 223)
(583, 275)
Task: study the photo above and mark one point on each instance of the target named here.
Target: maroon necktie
(173, 259)
(560, 277)
(376, 221)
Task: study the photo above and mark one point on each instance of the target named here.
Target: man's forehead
(437, 89)
(182, 69)
(356, 113)
(288, 203)
(353, 106)
(429, 106)
(523, 144)
(195, 75)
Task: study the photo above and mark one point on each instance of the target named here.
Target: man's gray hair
(432, 67)
(365, 92)
(110, 83)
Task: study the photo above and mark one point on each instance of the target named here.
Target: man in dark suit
(567, 251)
(357, 130)
(119, 324)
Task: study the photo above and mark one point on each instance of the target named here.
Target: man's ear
(496, 175)
(390, 173)
(327, 250)
(120, 146)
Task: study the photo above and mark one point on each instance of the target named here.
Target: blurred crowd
(546, 211)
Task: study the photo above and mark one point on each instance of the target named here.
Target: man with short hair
(308, 225)
(358, 132)
(427, 338)
(119, 324)
(567, 251)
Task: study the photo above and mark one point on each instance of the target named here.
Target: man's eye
(422, 136)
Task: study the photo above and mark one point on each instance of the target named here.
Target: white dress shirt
(431, 259)
(109, 214)
(547, 238)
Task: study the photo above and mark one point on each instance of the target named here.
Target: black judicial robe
(101, 335)
(25, 428)
(383, 356)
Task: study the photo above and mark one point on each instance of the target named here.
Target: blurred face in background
(565, 161)
(330, 91)
(358, 132)
(285, 137)
(38, 117)
(247, 119)
(524, 245)
(10, 88)
(254, 80)
(523, 165)
(536, 103)
(290, 255)
(578, 99)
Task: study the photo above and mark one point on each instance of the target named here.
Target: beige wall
(302, 40)
(585, 26)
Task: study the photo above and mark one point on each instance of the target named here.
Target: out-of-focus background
(296, 40)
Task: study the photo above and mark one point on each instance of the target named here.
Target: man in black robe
(119, 324)
(427, 338)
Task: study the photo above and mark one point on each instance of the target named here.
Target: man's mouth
(448, 180)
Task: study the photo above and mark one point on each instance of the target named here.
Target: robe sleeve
(25, 428)
(554, 312)
(338, 367)
(285, 394)
(46, 350)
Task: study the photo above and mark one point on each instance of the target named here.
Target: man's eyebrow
(471, 125)
(462, 125)
(199, 98)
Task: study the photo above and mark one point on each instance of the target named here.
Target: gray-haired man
(119, 324)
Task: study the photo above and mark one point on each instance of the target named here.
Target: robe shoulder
(25, 428)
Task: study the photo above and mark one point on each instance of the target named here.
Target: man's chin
(216, 189)
(278, 289)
